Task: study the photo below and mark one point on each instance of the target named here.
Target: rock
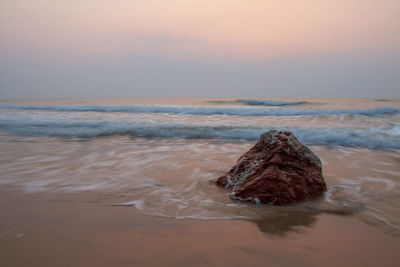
(277, 170)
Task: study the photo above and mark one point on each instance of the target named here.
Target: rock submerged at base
(277, 170)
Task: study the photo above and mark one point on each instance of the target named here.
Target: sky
(199, 48)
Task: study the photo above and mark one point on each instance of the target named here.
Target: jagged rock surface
(277, 170)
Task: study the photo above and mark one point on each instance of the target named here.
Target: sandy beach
(79, 230)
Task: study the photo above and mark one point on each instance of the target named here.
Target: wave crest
(193, 110)
(258, 102)
(369, 138)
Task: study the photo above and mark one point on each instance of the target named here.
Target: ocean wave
(197, 110)
(376, 137)
(258, 102)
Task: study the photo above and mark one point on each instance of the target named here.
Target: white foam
(139, 204)
(369, 137)
(388, 184)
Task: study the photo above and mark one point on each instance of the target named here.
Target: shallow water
(162, 156)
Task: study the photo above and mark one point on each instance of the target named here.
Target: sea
(162, 156)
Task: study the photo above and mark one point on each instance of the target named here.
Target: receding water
(163, 159)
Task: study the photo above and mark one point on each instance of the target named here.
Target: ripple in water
(174, 178)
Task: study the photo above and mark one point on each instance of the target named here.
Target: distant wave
(257, 102)
(193, 110)
(368, 138)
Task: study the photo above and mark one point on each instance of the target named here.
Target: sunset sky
(193, 48)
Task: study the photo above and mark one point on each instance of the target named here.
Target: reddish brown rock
(277, 170)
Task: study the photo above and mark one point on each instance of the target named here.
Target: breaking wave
(375, 137)
(193, 110)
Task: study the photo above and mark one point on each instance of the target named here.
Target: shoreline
(79, 229)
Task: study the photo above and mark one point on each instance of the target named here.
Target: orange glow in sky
(255, 28)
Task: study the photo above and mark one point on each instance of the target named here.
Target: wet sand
(81, 229)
